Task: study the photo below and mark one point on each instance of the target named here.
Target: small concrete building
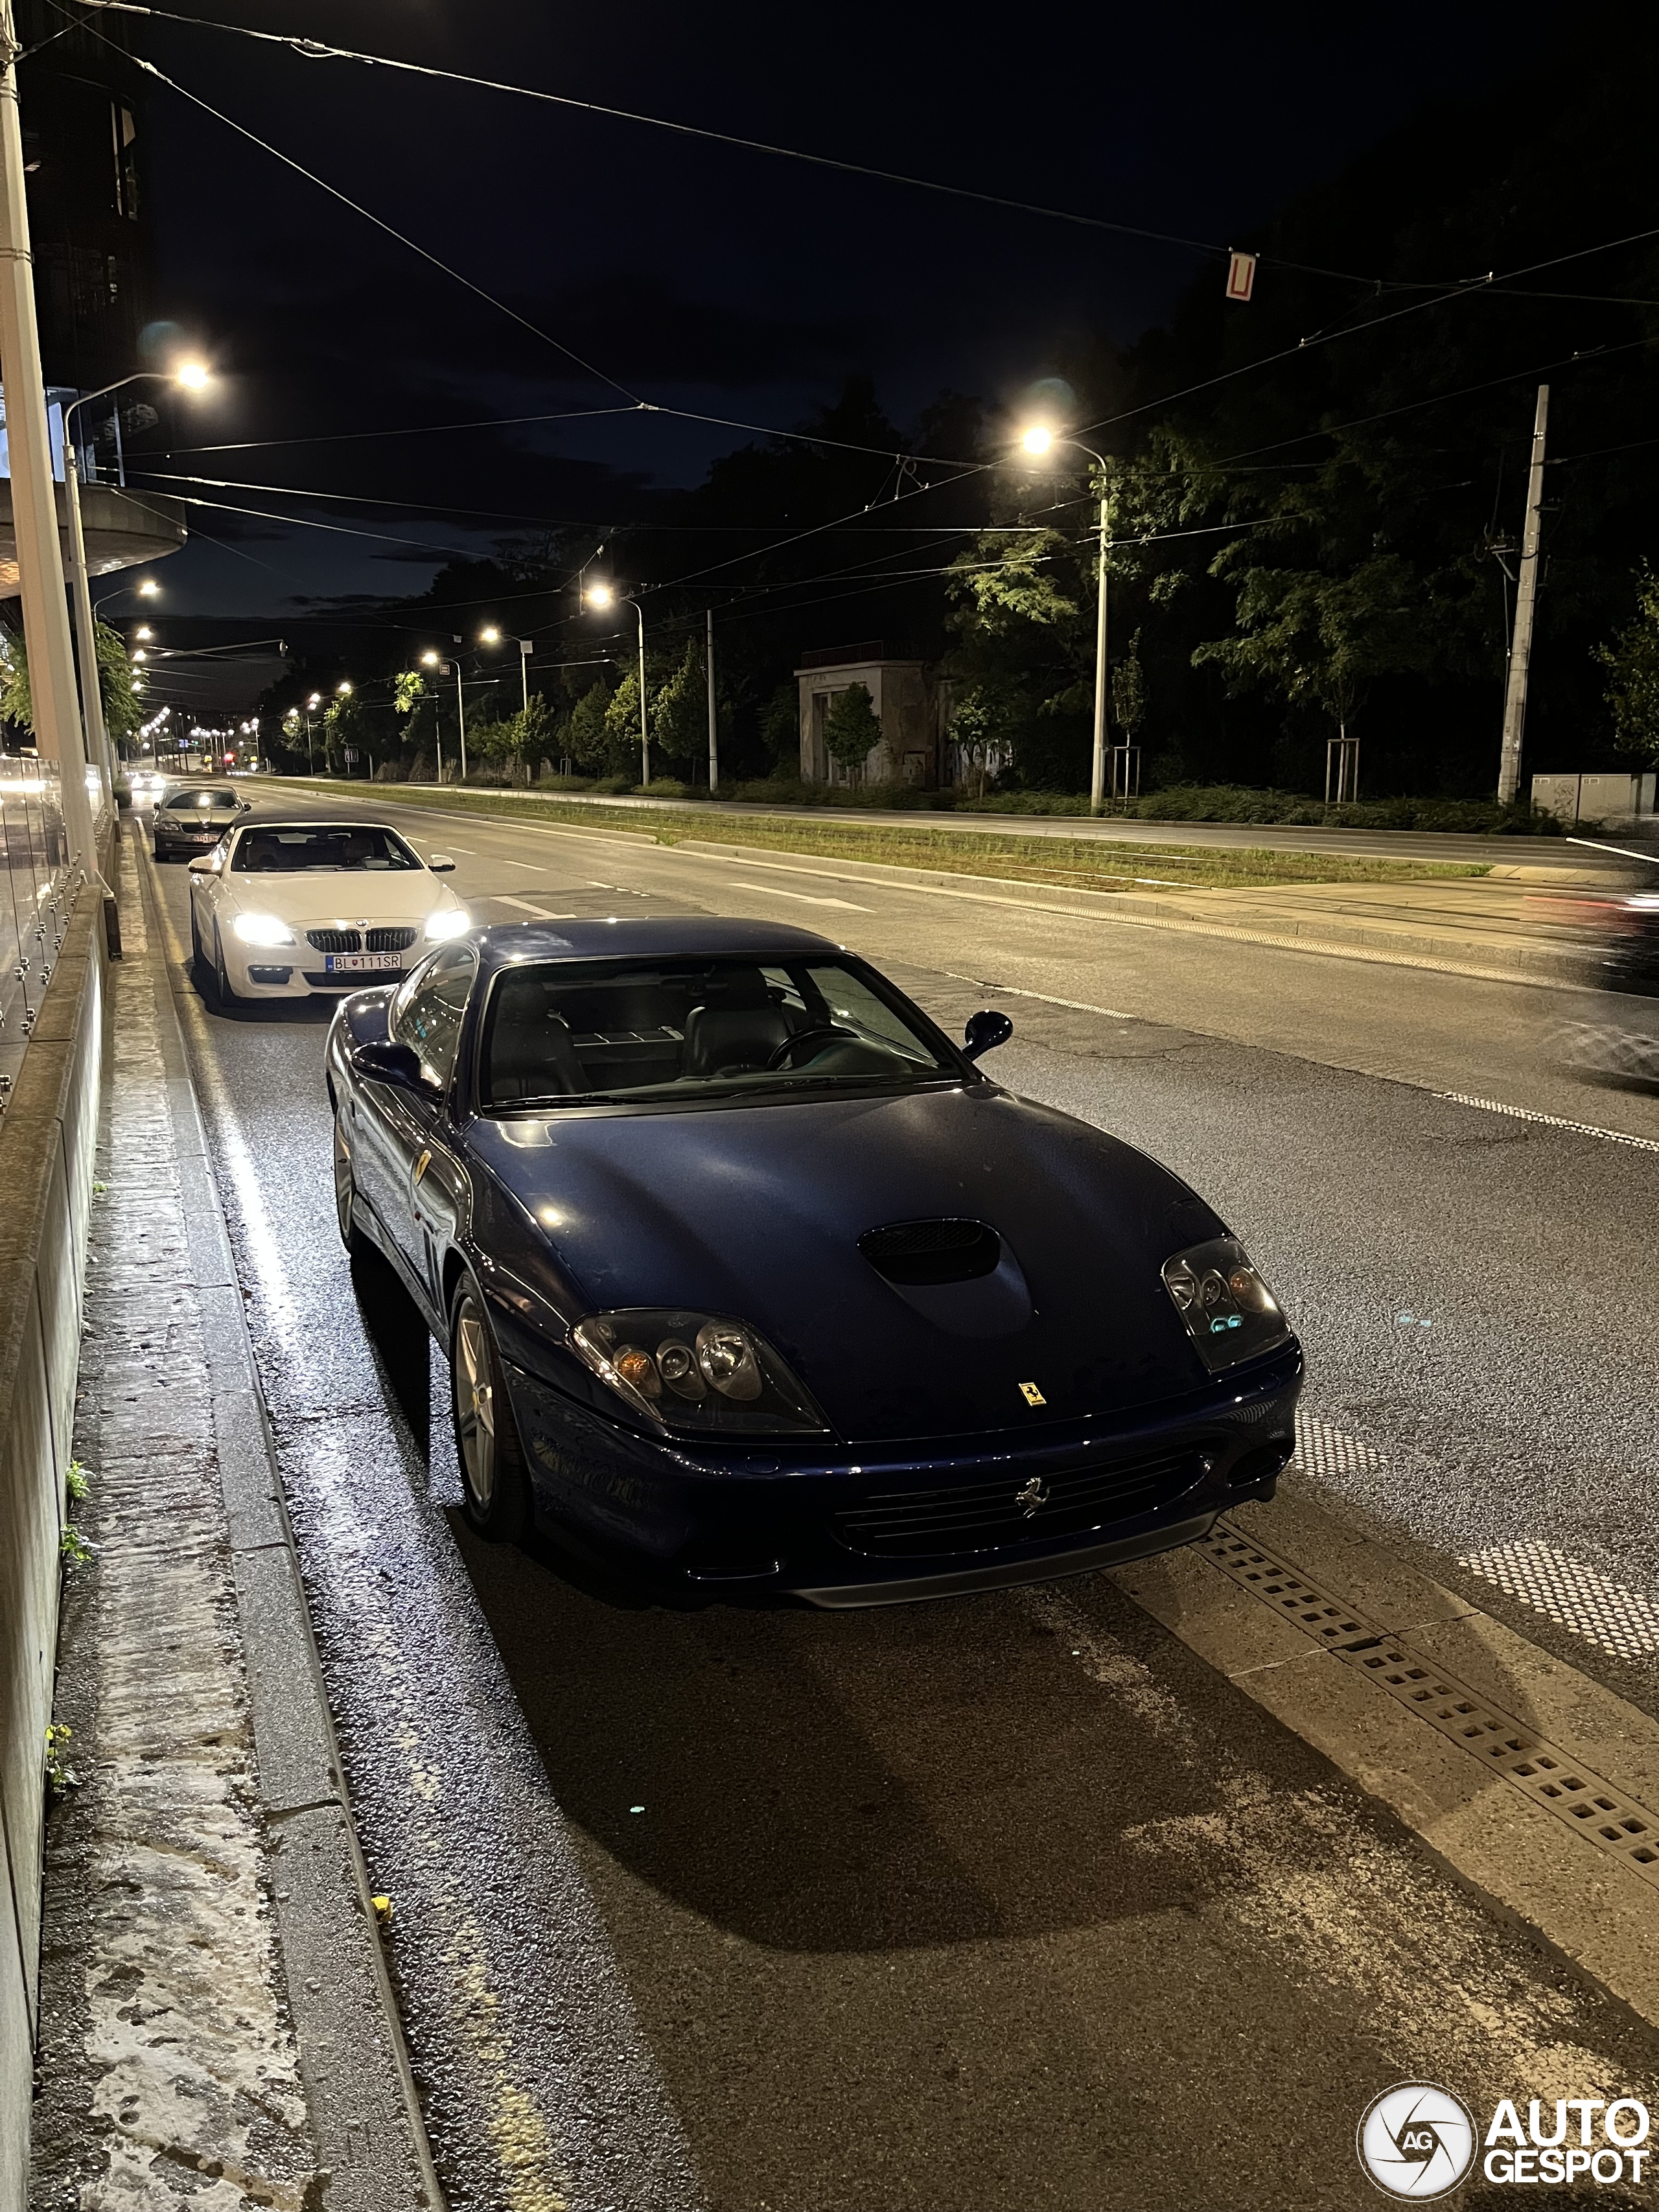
(905, 700)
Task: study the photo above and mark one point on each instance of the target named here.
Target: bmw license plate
(362, 963)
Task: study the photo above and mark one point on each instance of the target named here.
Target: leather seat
(738, 1026)
(531, 1055)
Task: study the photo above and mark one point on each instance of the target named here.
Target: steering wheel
(791, 1045)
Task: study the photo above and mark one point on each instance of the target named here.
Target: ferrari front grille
(1013, 1509)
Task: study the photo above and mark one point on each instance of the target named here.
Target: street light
(602, 596)
(489, 635)
(1038, 439)
(194, 378)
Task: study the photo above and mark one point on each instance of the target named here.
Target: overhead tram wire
(310, 49)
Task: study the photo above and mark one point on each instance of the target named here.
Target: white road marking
(775, 890)
(541, 912)
(534, 866)
(1551, 1120)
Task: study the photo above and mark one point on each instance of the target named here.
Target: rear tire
(495, 1481)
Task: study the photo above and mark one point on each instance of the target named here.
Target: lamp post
(437, 661)
(192, 377)
(1040, 440)
(602, 595)
(491, 636)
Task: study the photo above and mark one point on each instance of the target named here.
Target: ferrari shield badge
(1032, 1394)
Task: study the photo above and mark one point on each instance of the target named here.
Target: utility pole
(33, 500)
(1098, 772)
(714, 734)
(1526, 592)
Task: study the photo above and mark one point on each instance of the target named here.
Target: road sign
(1241, 275)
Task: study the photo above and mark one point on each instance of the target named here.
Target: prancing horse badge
(1032, 1394)
(1032, 1496)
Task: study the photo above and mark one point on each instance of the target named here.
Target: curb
(1534, 1785)
(360, 2088)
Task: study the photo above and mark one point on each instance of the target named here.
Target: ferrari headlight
(1229, 1312)
(263, 929)
(448, 921)
(696, 1370)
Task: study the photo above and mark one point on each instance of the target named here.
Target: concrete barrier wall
(47, 1141)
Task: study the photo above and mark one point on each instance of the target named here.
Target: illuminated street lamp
(1037, 440)
(435, 661)
(602, 596)
(193, 377)
(489, 635)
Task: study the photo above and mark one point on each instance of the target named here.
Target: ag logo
(1417, 2142)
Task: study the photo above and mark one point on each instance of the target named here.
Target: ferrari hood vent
(932, 1251)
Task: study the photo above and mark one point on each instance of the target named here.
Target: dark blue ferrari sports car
(752, 1280)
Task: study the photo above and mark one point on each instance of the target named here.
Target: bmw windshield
(606, 1032)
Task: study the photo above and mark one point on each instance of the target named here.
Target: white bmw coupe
(282, 909)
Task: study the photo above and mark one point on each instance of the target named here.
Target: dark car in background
(753, 1279)
(192, 818)
(1611, 1033)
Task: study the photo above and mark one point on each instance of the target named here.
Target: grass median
(1081, 863)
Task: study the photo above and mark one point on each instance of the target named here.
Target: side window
(850, 1000)
(428, 1014)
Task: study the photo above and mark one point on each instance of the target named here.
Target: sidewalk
(216, 2023)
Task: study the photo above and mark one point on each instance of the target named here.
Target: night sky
(700, 277)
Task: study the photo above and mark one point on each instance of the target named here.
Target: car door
(405, 1165)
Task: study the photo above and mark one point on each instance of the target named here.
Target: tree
(588, 736)
(679, 713)
(985, 722)
(123, 709)
(1129, 693)
(1633, 662)
(622, 726)
(851, 728)
(779, 728)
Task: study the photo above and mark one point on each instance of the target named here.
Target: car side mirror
(440, 864)
(398, 1066)
(986, 1031)
(204, 865)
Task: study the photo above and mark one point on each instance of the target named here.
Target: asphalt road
(1008, 1902)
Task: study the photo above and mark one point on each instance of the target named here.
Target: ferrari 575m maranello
(752, 1280)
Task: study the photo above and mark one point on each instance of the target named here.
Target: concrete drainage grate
(1604, 1613)
(1585, 1801)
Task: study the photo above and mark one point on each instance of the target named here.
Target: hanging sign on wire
(1241, 275)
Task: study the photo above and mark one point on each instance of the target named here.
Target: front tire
(358, 1246)
(221, 990)
(494, 1482)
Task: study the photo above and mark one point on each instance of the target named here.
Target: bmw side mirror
(985, 1031)
(398, 1066)
(440, 864)
(204, 865)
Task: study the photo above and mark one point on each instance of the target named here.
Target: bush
(552, 780)
(123, 791)
(668, 787)
(613, 786)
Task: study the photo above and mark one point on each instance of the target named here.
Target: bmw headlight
(262, 929)
(1230, 1313)
(448, 921)
(696, 1370)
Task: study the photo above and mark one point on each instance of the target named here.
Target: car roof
(646, 937)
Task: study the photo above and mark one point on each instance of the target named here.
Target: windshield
(218, 801)
(331, 846)
(689, 1028)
